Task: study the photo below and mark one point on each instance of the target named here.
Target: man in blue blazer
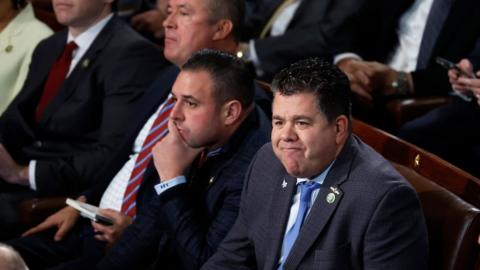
(317, 197)
(58, 131)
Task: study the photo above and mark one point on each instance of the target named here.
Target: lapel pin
(284, 184)
(86, 63)
(212, 179)
(9, 48)
(330, 198)
(335, 190)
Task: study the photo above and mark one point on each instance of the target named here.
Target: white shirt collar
(85, 40)
(319, 178)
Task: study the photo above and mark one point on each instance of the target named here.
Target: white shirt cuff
(166, 185)
(339, 57)
(461, 95)
(254, 58)
(31, 174)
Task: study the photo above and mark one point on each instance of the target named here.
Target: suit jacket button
(38, 144)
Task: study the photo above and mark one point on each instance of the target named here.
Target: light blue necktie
(306, 189)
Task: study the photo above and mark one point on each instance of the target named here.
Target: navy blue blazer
(183, 226)
(82, 125)
(374, 220)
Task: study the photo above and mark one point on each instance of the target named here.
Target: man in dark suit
(452, 130)
(196, 200)
(281, 32)
(70, 113)
(363, 214)
(395, 44)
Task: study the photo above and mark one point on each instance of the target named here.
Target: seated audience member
(452, 131)
(70, 114)
(317, 197)
(195, 24)
(10, 259)
(396, 45)
(281, 32)
(189, 199)
(20, 32)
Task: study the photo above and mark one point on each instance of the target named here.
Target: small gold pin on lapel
(330, 198)
(212, 179)
(86, 63)
(9, 48)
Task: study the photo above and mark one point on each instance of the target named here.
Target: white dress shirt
(410, 32)
(112, 198)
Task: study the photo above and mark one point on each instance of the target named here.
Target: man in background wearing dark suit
(363, 214)
(451, 131)
(67, 119)
(392, 51)
(280, 32)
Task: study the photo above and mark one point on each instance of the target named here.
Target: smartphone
(447, 64)
(103, 220)
(89, 211)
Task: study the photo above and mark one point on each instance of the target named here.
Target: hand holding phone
(447, 64)
(89, 211)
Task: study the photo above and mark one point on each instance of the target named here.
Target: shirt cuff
(461, 95)
(339, 57)
(254, 58)
(166, 185)
(31, 174)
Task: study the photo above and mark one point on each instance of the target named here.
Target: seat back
(453, 224)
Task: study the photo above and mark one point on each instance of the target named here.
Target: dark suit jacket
(314, 26)
(86, 120)
(373, 37)
(375, 221)
(186, 223)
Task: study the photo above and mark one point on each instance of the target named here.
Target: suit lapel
(284, 190)
(327, 201)
(81, 70)
(305, 9)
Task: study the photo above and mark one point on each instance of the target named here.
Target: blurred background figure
(451, 131)
(9, 258)
(20, 33)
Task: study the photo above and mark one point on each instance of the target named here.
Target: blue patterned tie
(435, 21)
(306, 189)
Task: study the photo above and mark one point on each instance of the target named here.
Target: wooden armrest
(34, 211)
(406, 109)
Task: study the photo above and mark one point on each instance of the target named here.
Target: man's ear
(342, 128)
(223, 29)
(231, 112)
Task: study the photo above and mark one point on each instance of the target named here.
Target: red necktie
(157, 132)
(56, 76)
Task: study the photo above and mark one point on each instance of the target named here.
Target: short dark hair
(19, 4)
(233, 10)
(231, 78)
(329, 85)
